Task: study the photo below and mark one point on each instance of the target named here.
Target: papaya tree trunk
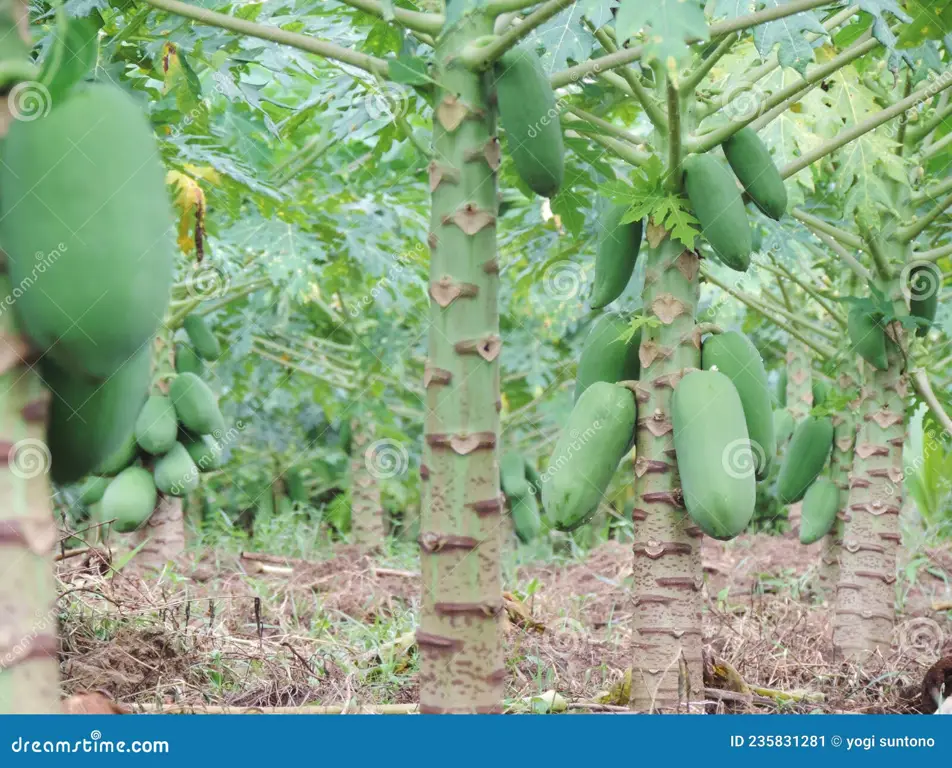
(799, 403)
(163, 536)
(865, 595)
(841, 464)
(460, 634)
(666, 612)
(29, 670)
(366, 513)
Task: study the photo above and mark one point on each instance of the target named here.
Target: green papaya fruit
(156, 427)
(90, 419)
(714, 456)
(530, 117)
(93, 488)
(587, 453)
(820, 391)
(525, 517)
(605, 356)
(129, 500)
(121, 458)
(175, 472)
(618, 246)
(806, 455)
(820, 505)
(201, 337)
(187, 360)
(84, 188)
(297, 490)
(204, 450)
(512, 475)
(784, 425)
(719, 208)
(924, 285)
(751, 163)
(532, 475)
(195, 405)
(736, 357)
(867, 336)
(781, 393)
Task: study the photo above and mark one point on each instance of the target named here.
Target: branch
(761, 17)
(480, 56)
(428, 23)
(933, 193)
(923, 386)
(928, 127)
(934, 255)
(618, 58)
(306, 43)
(858, 269)
(910, 233)
(793, 317)
(821, 349)
(652, 109)
(818, 225)
(780, 271)
(607, 127)
(871, 123)
(499, 7)
(690, 84)
(623, 150)
(674, 137)
(933, 149)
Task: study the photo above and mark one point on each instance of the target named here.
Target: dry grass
(222, 632)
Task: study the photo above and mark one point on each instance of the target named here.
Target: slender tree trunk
(799, 403)
(366, 512)
(460, 634)
(163, 535)
(841, 465)
(666, 613)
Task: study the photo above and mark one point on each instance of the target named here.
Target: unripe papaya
(618, 246)
(737, 358)
(806, 455)
(84, 187)
(925, 283)
(525, 517)
(781, 393)
(512, 475)
(156, 427)
(93, 488)
(195, 405)
(596, 438)
(90, 419)
(820, 505)
(750, 160)
(784, 425)
(530, 117)
(201, 337)
(129, 500)
(532, 476)
(605, 356)
(820, 391)
(121, 458)
(175, 472)
(719, 208)
(714, 456)
(867, 336)
(204, 450)
(187, 360)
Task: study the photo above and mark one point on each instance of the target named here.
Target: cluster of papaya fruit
(717, 202)
(530, 116)
(522, 486)
(85, 224)
(172, 440)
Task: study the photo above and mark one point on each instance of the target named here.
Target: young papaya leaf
(409, 70)
(931, 20)
(731, 9)
(672, 24)
(788, 36)
(71, 56)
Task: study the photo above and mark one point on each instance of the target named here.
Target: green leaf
(787, 34)
(565, 38)
(409, 70)
(568, 207)
(672, 23)
(71, 56)
(386, 6)
(731, 9)
(931, 20)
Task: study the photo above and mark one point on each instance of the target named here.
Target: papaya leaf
(731, 9)
(567, 206)
(931, 20)
(787, 34)
(672, 23)
(409, 70)
(564, 38)
(70, 57)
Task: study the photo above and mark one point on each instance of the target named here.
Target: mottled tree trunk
(366, 512)
(841, 465)
(865, 595)
(163, 535)
(666, 611)
(799, 403)
(460, 634)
